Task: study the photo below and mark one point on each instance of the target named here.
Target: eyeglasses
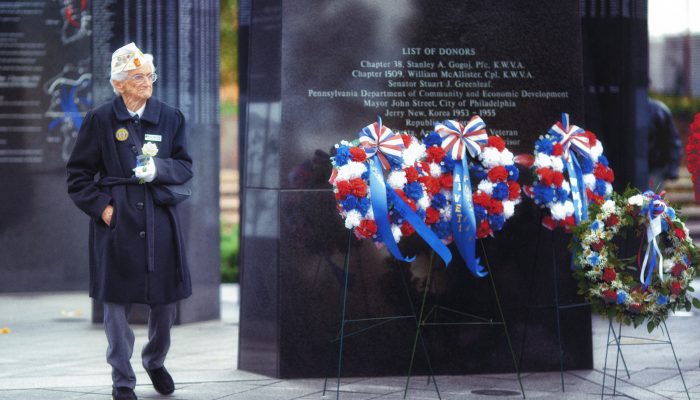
(140, 78)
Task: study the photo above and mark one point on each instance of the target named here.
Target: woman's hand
(107, 214)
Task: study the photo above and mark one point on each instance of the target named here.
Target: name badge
(153, 138)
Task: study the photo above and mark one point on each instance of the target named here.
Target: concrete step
(229, 201)
(680, 184)
(680, 197)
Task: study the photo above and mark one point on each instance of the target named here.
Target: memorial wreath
(627, 289)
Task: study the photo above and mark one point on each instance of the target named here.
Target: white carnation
(447, 194)
(565, 185)
(558, 211)
(543, 161)
(508, 208)
(424, 202)
(490, 157)
(636, 200)
(370, 214)
(351, 170)
(486, 187)
(506, 157)
(557, 164)
(589, 180)
(608, 207)
(569, 207)
(597, 150)
(435, 170)
(413, 153)
(608, 189)
(149, 149)
(397, 179)
(396, 232)
(352, 219)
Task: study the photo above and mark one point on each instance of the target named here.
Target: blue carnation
(365, 176)
(594, 258)
(439, 200)
(500, 191)
(513, 172)
(544, 145)
(433, 138)
(479, 213)
(447, 164)
(543, 194)
(595, 225)
(414, 190)
(421, 213)
(395, 218)
(496, 221)
(363, 205)
(342, 155)
(671, 212)
(621, 297)
(599, 187)
(562, 195)
(350, 203)
(603, 160)
(441, 229)
(478, 172)
(661, 300)
(586, 165)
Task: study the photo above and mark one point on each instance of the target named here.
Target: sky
(671, 17)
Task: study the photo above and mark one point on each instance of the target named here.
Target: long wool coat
(140, 257)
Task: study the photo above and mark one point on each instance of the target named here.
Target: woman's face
(138, 85)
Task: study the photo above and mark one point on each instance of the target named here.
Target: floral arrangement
(611, 284)
(692, 151)
(569, 150)
(495, 192)
(350, 180)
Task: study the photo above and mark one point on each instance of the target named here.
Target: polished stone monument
(318, 72)
(54, 68)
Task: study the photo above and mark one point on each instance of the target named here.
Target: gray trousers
(120, 339)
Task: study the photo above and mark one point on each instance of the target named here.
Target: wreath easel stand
(375, 322)
(423, 321)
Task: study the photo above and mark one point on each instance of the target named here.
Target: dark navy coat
(139, 258)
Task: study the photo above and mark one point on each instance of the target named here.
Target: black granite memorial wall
(318, 72)
(54, 67)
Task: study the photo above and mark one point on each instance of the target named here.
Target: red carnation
(497, 142)
(609, 275)
(557, 149)
(432, 185)
(594, 197)
(548, 222)
(610, 296)
(513, 190)
(434, 154)
(591, 138)
(600, 171)
(344, 188)
(679, 232)
(367, 228)
(545, 175)
(498, 174)
(557, 178)
(359, 187)
(635, 308)
(569, 221)
(481, 199)
(357, 154)
(612, 220)
(598, 246)
(407, 229)
(483, 230)
(609, 175)
(495, 207)
(678, 269)
(446, 181)
(411, 174)
(676, 288)
(406, 140)
(431, 215)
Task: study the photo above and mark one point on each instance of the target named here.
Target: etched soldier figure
(136, 249)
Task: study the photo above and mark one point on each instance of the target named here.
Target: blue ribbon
(381, 191)
(463, 219)
(578, 188)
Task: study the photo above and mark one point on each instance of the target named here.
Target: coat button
(139, 205)
(142, 234)
(134, 150)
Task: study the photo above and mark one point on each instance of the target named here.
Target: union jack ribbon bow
(571, 135)
(377, 139)
(458, 139)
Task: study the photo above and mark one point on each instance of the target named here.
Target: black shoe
(162, 381)
(123, 393)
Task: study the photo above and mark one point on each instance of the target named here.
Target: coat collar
(150, 114)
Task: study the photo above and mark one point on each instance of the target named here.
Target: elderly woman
(136, 249)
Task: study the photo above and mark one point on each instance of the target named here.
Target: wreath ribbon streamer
(458, 140)
(381, 144)
(656, 209)
(573, 140)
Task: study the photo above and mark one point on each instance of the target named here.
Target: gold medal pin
(121, 134)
